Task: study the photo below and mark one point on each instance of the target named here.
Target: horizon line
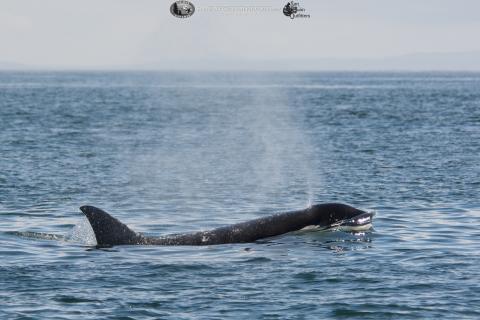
(380, 70)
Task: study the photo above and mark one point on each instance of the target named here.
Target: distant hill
(453, 61)
(7, 65)
(460, 61)
(464, 61)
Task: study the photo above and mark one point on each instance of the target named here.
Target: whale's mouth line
(361, 222)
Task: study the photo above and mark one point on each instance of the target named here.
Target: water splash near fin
(82, 232)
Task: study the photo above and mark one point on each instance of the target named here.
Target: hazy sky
(125, 33)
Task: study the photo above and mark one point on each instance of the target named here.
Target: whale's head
(342, 217)
(359, 222)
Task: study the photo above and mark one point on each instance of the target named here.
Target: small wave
(257, 260)
(73, 299)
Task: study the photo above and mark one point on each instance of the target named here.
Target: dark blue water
(174, 152)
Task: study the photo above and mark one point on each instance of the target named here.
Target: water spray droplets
(82, 232)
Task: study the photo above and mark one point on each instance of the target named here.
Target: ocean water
(176, 152)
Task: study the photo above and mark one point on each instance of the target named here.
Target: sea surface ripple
(174, 152)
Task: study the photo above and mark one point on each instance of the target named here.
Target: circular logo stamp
(293, 10)
(290, 9)
(182, 9)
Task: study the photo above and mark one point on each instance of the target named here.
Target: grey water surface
(176, 152)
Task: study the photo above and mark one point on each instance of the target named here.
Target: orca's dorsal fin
(108, 230)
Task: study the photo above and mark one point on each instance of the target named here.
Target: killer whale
(109, 231)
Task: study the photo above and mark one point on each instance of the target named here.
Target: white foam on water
(82, 232)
